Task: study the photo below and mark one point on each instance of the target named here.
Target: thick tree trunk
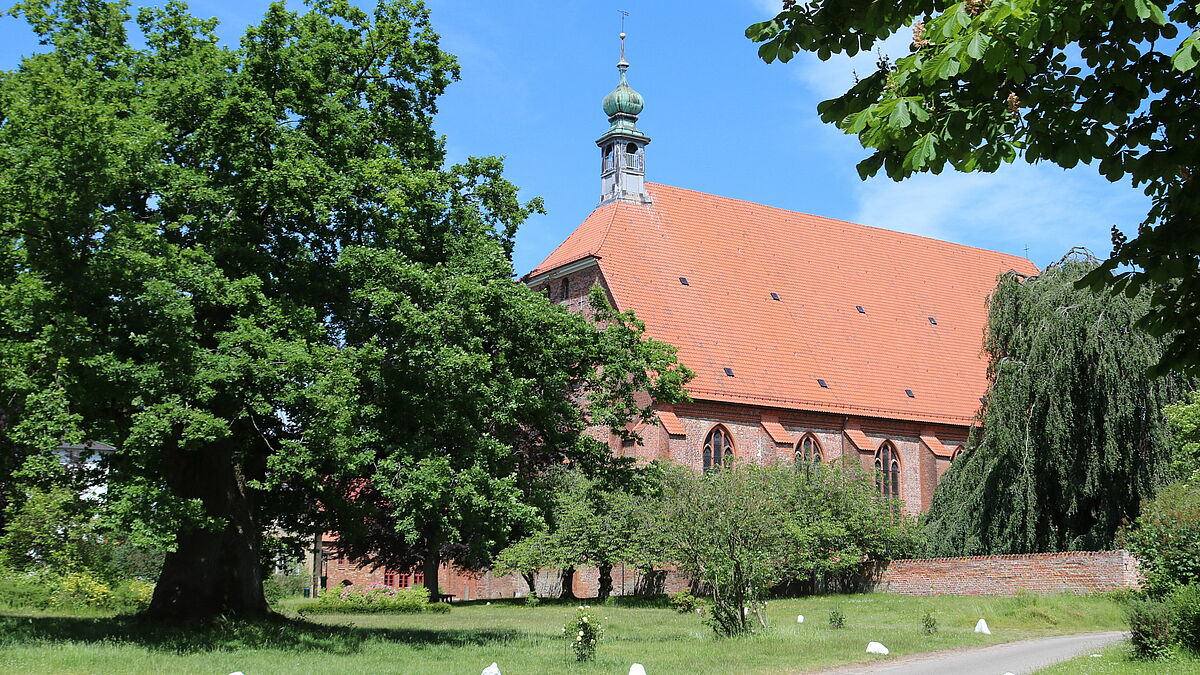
(568, 584)
(212, 572)
(531, 579)
(432, 563)
(606, 583)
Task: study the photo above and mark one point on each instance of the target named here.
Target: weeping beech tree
(1073, 434)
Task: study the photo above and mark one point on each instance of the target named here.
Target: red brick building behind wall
(812, 339)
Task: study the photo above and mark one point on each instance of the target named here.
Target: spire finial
(623, 62)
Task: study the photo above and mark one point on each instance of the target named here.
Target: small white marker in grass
(799, 618)
(1096, 656)
(982, 627)
(637, 669)
(491, 670)
(876, 648)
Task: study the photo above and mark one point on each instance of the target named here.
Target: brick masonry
(1073, 571)
(465, 585)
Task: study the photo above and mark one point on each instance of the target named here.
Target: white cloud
(1040, 206)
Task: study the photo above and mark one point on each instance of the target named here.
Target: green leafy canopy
(251, 270)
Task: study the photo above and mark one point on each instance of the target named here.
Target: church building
(812, 339)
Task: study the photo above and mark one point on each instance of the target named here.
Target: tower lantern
(623, 147)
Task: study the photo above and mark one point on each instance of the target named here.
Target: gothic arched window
(808, 451)
(887, 466)
(608, 157)
(718, 449)
(566, 289)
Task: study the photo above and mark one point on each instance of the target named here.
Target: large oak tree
(250, 269)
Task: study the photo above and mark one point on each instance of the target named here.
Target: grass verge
(528, 640)
(1119, 660)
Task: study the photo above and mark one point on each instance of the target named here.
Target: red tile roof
(734, 254)
(671, 423)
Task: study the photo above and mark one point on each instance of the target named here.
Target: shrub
(1185, 616)
(1150, 625)
(20, 591)
(929, 623)
(763, 525)
(837, 619)
(132, 595)
(374, 598)
(584, 632)
(1166, 537)
(686, 603)
(532, 600)
(81, 589)
(276, 587)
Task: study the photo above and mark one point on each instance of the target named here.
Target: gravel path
(1019, 658)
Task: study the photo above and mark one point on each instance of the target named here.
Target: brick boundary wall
(1072, 571)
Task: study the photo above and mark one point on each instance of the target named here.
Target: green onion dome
(623, 100)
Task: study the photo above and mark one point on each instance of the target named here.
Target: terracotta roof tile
(735, 254)
(671, 423)
(860, 440)
(777, 433)
(935, 446)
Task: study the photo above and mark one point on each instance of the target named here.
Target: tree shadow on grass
(230, 635)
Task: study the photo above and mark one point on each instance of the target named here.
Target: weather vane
(623, 14)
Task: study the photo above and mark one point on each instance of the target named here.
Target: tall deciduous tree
(987, 81)
(1074, 435)
(250, 270)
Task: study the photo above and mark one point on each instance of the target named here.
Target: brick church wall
(1074, 572)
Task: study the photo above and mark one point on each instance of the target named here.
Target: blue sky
(722, 121)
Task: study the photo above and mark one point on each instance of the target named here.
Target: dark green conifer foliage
(1074, 436)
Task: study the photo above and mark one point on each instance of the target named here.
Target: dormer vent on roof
(774, 296)
(909, 393)
(823, 383)
(683, 281)
(729, 372)
(932, 321)
(860, 309)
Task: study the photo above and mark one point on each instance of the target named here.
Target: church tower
(623, 147)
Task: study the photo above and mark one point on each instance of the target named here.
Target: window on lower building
(389, 578)
(718, 449)
(808, 451)
(887, 467)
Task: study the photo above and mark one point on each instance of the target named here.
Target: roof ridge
(839, 220)
(607, 228)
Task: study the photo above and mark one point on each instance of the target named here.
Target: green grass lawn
(529, 640)
(1119, 660)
